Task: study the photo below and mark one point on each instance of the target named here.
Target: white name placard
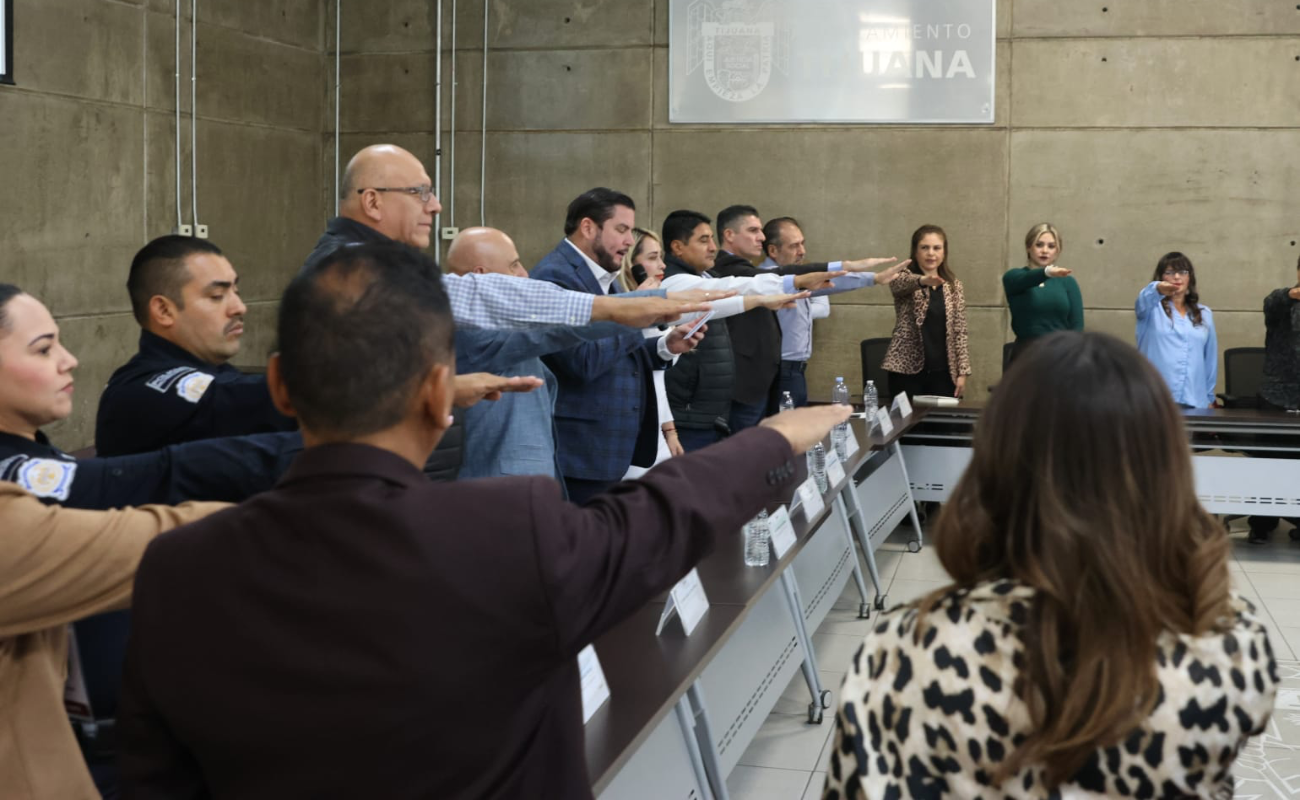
(851, 445)
(810, 499)
(902, 405)
(594, 689)
(782, 529)
(886, 424)
(688, 600)
(834, 469)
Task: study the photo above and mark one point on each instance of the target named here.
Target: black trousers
(939, 383)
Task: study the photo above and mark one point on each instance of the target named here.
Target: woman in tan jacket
(928, 354)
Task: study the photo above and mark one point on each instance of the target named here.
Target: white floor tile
(1270, 584)
(1266, 773)
(796, 697)
(760, 783)
(1285, 611)
(846, 622)
(922, 566)
(788, 742)
(903, 590)
(1290, 635)
(835, 652)
(815, 784)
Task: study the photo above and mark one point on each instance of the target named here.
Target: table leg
(699, 713)
(916, 544)
(847, 517)
(868, 552)
(821, 698)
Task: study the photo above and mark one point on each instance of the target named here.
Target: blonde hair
(625, 277)
(1038, 230)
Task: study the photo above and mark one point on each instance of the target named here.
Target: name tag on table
(688, 600)
(834, 469)
(886, 424)
(782, 529)
(594, 689)
(810, 498)
(902, 405)
(850, 442)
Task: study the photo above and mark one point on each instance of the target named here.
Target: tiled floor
(788, 758)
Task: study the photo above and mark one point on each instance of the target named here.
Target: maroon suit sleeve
(601, 562)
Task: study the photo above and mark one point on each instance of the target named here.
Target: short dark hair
(596, 205)
(159, 269)
(679, 225)
(729, 216)
(7, 292)
(772, 230)
(358, 333)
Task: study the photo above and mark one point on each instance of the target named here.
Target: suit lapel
(580, 267)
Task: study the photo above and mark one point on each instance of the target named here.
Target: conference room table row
(682, 707)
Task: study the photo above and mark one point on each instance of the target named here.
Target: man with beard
(605, 408)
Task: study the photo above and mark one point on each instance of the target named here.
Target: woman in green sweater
(1042, 296)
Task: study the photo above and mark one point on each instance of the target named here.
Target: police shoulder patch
(193, 386)
(46, 477)
(165, 380)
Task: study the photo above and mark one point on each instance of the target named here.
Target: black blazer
(361, 632)
(755, 334)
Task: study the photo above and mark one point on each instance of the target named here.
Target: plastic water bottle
(840, 433)
(870, 399)
(757, 534)
(787, 402)
(819, 466)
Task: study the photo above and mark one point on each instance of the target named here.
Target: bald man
(516, 434)
(386, 195)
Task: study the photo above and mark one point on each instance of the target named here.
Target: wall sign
(904, 61)
(6, 41)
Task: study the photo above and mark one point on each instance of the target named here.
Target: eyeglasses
(425, 193)
(1181, 273)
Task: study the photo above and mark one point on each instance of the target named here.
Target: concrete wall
(88, 160)
(1137, 128)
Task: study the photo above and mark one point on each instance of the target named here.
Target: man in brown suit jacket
(361, 632)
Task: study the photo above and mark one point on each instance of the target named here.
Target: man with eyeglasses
(386, 195)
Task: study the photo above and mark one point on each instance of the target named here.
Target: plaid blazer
(605, 391)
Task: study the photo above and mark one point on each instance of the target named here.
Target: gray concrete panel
(556, 23)
(1133, 83)
(1155, 18)
(287, 21)
(253, 80)
(559, 90)
(390, 92)
(259, 194)
(160, 61)
(75, 207)
(859, 192)
(1122, 199)
(72, 47)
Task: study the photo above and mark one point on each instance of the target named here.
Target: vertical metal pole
(709, 751)
(338, 133)
(437, 123)
(451, 167)
(846, 518)
(194, 112)
(179, 202)
(482, 148)
(911, 500)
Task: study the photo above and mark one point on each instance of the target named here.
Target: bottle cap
(839, 379)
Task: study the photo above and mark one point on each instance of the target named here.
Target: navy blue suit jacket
(605, 393)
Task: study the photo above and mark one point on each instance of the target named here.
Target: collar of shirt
(605, 279)
(13, 444)
(768, 263)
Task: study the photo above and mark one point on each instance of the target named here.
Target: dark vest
(701, 383)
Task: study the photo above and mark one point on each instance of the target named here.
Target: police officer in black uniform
(180, 387)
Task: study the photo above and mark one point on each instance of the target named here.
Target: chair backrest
(1243, 371)
(873, 355)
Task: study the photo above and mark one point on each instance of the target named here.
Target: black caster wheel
(814, 714)
(913, 546)
(864, 610)
(826, 698)
(880, 602)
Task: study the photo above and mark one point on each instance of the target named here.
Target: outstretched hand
(864, 264)
(886, 275)
(701, 295)
(805, 427)
(642, 312)
(1057, 272)
(679, 343)
(812, 281)
(775, 301)
(475, 386)
(932, 280)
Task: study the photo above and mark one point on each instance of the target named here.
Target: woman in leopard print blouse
(1089, 645)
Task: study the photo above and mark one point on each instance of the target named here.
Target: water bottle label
(783, 537)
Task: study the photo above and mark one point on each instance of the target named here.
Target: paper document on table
(782, 529)
(594, 689)
(690, 602)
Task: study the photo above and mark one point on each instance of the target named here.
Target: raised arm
(1020, 280)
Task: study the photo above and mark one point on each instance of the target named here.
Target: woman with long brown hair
(1177, 333)
(928, 353)
(1089, 642)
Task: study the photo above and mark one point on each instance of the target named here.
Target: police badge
(737, 42)
(46, 477)
(193, 386)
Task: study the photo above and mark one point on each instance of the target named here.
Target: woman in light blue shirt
(1177, 334)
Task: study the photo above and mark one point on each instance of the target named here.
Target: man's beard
(603, 257)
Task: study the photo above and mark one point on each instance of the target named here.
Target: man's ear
(590, 230)
(372, 206)
(162, 312)
(437, 393)
(479, 270)
(275, 383)
(675, 247)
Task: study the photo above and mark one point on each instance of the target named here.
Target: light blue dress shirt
(1186, 355)
(797, 322)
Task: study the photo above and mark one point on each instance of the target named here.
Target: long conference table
(683, 708)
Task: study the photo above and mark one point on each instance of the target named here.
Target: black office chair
(1243, 372)
(873, 355)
